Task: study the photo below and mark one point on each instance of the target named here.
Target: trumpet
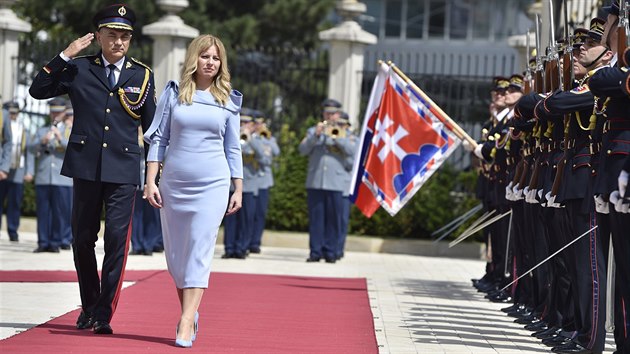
(265, 133)
(333, 130)
(245, 136)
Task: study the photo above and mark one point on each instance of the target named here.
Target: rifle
(552, 82)
(622, 31)
(567, 83)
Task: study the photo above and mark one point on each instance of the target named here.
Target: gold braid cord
(131, 106)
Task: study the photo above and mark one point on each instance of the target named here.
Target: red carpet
(240, 313)
(52, 276)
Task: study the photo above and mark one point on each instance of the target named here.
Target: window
(393, 15)
(437, 17)
(415, 19)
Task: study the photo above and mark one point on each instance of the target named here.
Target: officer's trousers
(14, 193)
(324, 214)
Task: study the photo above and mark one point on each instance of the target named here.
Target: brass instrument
(245, 136)
(333, 130)
(265, 133)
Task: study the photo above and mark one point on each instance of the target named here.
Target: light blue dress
(203, 154)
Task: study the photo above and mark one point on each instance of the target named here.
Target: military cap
(11, 106)
(259, 116)
(57, 105)
(117, 16)
(596, 29)
(247, 115)
(343, 118)
(500, 83)
(613, 9)
(331, 105)
(516, 81)
(579, 37)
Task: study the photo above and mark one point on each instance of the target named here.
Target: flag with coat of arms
(403, 142)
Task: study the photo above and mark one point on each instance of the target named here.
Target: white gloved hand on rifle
(508, 192)
(622, 182)
(517, 193)
(601, 205)
(551, 201)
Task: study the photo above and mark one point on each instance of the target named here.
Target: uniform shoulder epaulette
(624, 69)
(140, 63)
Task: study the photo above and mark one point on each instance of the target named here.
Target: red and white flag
(403, 142)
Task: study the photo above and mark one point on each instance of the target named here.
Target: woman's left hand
(236, 202)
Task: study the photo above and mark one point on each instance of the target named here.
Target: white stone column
(170, 40)
(10, 28)
(347, 42)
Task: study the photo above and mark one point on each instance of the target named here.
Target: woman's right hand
(152, 194)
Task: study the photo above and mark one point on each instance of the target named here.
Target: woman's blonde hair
(220, 87)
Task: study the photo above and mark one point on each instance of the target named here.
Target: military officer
(325, 183)
(21, 170)
(52, 189)
(265, 177)
(112, 94)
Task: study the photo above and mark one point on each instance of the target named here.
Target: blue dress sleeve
(158, 134)
(232, 142)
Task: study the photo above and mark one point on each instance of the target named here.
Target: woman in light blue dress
(198, 120)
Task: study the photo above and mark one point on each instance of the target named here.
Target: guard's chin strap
(596, 59)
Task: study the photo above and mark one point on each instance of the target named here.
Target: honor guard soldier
(112, 95)
(610, 84)
(53, 191)
(239, 228)
(265, 177)
(21, 170)
(325, 184)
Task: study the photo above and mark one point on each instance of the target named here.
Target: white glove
(467, 146)
(616, 201)
(601, 205)
(551, 201)
(477, 151)
(517, 193)
(622, 181)
(508, 191)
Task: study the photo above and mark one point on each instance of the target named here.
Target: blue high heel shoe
(194, 336)
(182, 343)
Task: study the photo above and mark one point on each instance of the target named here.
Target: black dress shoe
(136, 253)
(52, 249)
(312, 259)
(40, 249)
(227, 255)
(571, 347)
(546, 333)
(331, 260)
(147, 253)
(556, 341)
(254, 250)
(158, 249)
(102, 327)
(14, 238)
(514, 307)
(537, 326)
(239, 255)
(65, 247)
(525, 320)
(84, 321)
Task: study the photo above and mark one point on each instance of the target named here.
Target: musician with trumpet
(327, 147)
(238, 228)
(53, 192)
(270, 150)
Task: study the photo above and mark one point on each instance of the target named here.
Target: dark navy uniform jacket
(579, 103)
(103, 145)
(609, 83)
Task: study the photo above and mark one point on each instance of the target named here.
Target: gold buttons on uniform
(82, 141)
(107, 110)
(104, 145)
(111, 94)
(608, 152)
(106, 128)
(126, 149)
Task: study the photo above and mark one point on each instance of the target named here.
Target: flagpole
(444, 117)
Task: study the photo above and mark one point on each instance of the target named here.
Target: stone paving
(419, 304)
